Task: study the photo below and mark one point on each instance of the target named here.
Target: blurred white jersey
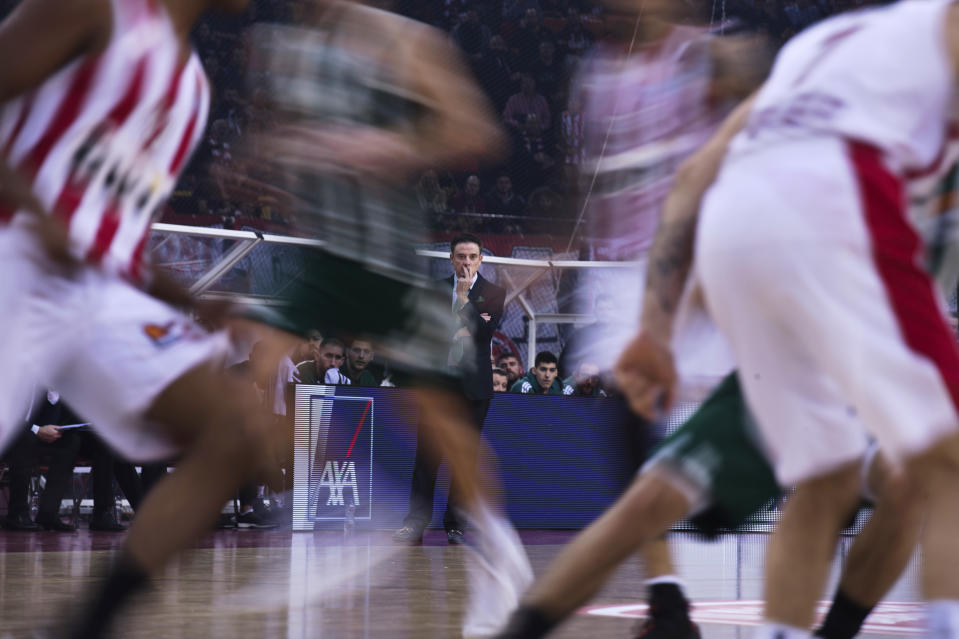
(881, 77)
(643, 113)
(103, 140)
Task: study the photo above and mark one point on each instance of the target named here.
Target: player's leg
(657, 559)
(819, 451)
(668, 606)
(773, 285)
(801, 550)
(222, 436)
(648, 508)
(735, 482)
(410, 324)
(880, 551)
(498, 571)
(151, 382)
(938, 472)
(222, 433)
(744, 483)
(894, 322)
(426, 463)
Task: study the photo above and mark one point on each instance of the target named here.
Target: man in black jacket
(479, 305)
(60, 448)
(45, 441)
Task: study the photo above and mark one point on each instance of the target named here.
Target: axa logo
(338, 475)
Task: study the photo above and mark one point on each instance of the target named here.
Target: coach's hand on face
(464, 280)
(646, 375)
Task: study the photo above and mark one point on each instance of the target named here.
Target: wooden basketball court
(274, 584)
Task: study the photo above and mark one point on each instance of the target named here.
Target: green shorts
(409, 323)
(717, 461)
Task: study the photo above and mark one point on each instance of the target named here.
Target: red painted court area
(889, 618)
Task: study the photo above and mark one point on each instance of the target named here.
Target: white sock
(769, 630)
(942, 619)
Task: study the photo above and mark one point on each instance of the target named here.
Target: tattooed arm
(672, 252)
(645, 372)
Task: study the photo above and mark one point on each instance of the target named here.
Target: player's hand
(17, 193)
(213, 313)
(49, 433)
(55, 240)
(646, 374)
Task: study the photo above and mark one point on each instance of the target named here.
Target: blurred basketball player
(651, 95)
(363, 98)
(720, 497)
(714, 470)
(100, 112)
(812, 271)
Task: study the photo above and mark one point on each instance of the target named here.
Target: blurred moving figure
(649, 97)
(478, 306)
(363, 99)
(839, 133)
(99, 116)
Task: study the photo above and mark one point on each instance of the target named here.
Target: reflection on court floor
(306, 585)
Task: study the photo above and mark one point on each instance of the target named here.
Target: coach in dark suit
(479, 305)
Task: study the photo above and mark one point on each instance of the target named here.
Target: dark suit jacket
(43, 413)
(485, 297)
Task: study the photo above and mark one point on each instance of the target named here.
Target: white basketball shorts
(703, 357)
(810, 269)
(107, 347)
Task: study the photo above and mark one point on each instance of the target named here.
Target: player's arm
(460, 124)
(213, 313)
(456, 123)
(740, 65)
(952, 38)
(42, 36)
(164, 288)
(672, 252)
(15, 192)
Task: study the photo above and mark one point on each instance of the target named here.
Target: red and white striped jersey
(103, 140)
